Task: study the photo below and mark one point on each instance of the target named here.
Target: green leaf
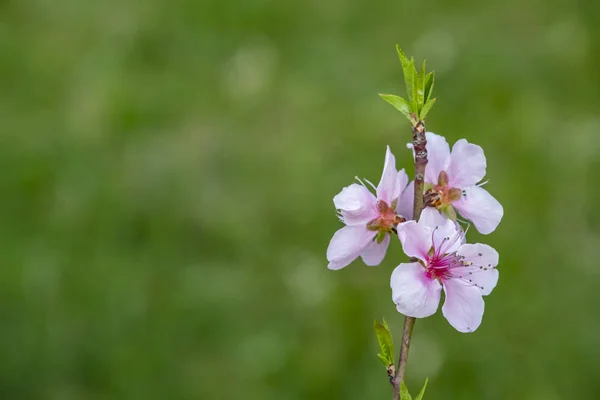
(404, 395)
(408, 68)
(419, 87)
(420, 396)
(398, 102)
(415, 88)
(386, 345)
(428, 86)
(420, 92)
(426, 109)
(384, 360)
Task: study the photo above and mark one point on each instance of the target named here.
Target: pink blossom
(452, 182)
(369, 219)
(466, 272)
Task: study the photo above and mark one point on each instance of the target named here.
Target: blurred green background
(168, 169)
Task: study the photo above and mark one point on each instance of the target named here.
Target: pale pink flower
(369, 219)
(452, 182)
(466, 272)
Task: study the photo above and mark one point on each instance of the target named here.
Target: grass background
(167, 175)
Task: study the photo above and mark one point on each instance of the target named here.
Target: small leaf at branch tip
(408, 68)
(426, 109)
(386, 345)
(420, 396)
(419, 87)
(385, 325)
(401, 55)
(428, 85)
(420, 92)
(398, 102)
(415, 87)
(404, 395)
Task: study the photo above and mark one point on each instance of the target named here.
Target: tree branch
(420, 148)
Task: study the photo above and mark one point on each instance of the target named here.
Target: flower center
(441, 263)
(387, 220)
(441, 195)
(439, 268)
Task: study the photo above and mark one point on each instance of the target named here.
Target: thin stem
(396, 391)
(409, 324)
(420, 148)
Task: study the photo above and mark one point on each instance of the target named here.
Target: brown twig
(420, 148)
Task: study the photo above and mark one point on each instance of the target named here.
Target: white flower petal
(406, 202)
(347, 244)
(341, 263)
(357, 205)
(374, 252)
(467, 164)
(483, 270)
(413, 292)
(431, 218)
(401, 180)
(415, 239)
(464, 306)
(388, 189)
(351, 198)
(438, 154)
(481, 208)
(446, 236)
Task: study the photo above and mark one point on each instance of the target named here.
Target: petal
(401, 180)
(374, 253)
(483, 270)
(415, 239)
(438, 154)
(464, 306)
(351, 198)
(481, 208)
(347, 244)
(341, 263)
(406, 202)
(388, 189)
(415, 294)
(446, 237)
(467, 164)
(431, 218)
(357, 204)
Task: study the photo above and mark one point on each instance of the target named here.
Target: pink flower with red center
(465, 272)
(452, 179)
(370, 219)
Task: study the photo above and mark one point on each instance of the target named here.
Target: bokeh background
(168, 169)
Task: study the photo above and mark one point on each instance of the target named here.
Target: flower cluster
(436, 244)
